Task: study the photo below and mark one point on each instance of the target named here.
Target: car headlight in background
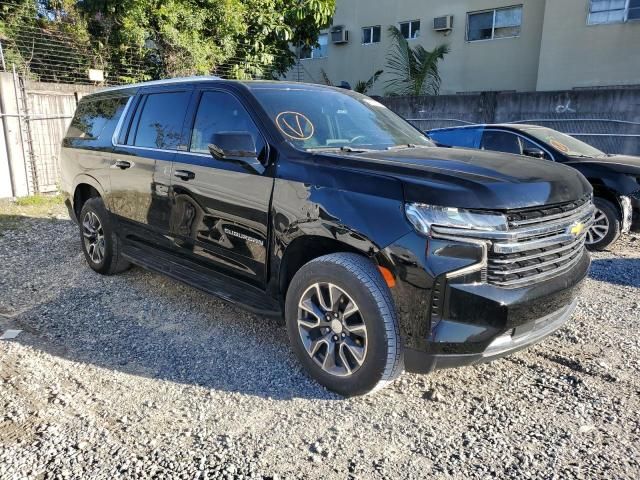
(423, 217)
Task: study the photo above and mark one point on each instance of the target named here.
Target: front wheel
(606, 226)
(342, 324)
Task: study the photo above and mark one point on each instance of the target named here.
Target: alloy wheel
(93, 234)
(599, 229)
(332, 329)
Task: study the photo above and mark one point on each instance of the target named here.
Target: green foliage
(148, 39)
(363, 87)
(413, 71)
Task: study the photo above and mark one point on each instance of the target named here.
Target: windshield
(314, 118)
(564, 143)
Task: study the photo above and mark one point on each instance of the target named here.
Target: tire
(607, 226)
(100, 244)
(367, 350)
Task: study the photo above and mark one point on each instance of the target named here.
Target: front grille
(543, 243)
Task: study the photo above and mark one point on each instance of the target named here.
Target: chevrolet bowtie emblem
(576, 229)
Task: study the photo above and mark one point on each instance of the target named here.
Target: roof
(252, 84)
(166, 81)
(513, 126)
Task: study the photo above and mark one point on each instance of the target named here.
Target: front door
(220, 209)
(141, 167)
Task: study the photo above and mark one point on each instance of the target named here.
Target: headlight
(423, 217)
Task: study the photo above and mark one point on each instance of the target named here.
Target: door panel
(141, 166)
(220, 216)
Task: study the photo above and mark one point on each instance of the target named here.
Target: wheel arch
(305, 248)
(604, 192)
(85, 187)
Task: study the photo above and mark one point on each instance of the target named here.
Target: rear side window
(95, 120)
(463, 137)
(158, 120)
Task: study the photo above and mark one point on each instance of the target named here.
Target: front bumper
(511, 341)
(449, 321)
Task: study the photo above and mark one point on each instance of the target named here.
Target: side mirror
(236, 147)
(533, 152)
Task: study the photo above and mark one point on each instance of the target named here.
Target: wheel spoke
(325, 311)
(343, 359)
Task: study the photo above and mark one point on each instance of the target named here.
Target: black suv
(322, 206)
(615, 178)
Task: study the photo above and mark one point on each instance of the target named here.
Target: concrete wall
(574, 54)
(30, 137)
(607, 119)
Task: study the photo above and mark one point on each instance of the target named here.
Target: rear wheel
(342, 324)
(606, 227)
(100, 244)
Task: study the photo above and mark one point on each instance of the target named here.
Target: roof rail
(165, 81)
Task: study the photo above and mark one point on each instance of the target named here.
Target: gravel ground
(138, 376)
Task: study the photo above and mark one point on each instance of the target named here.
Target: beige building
(505, 45)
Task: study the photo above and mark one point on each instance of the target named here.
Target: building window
(613, 11)
(371, 35)
(320, 51)
(496, 23)
(410, 29)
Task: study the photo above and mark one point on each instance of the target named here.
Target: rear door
(220, 209)
(141, 169)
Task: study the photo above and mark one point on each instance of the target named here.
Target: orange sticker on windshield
(295, 125)
(560, 146)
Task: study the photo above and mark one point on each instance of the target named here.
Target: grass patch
(40, 201)
(14, 212)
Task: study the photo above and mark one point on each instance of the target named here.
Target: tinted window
(529, 145)
(500, 142)
(159, 120)
(222, 112)
(463, 137)
(96, 118)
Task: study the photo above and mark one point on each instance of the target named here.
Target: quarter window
(613, 11)
(371, 35)
(410, 29)
(496, 23)
(222, 112)
(95, 117)
(159, 120)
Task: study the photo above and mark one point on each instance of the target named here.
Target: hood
(477, 179)
(618, 163)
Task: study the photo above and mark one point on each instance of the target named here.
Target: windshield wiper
(407, 145)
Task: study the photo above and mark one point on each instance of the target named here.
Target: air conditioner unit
(442, 24)
(339, 35)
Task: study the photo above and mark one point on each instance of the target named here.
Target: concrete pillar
(13, 163)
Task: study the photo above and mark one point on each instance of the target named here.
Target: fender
(89, 180)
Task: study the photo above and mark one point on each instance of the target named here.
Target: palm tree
(363, 87)
(413, 71)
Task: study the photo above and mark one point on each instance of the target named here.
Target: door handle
(122, 164)
(184, 174)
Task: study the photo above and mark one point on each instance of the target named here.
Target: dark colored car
(615, 178)
(322, 206)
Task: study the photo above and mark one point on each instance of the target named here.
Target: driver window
(527, 144)
(222, 112)
(500, 142)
